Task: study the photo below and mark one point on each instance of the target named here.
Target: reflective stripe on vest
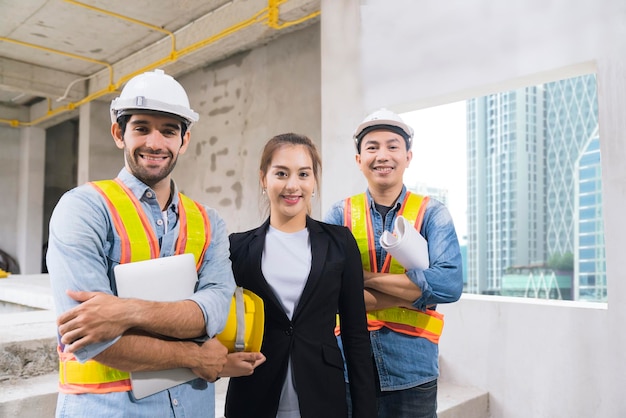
(138, 242)
(89, 377)
(426, 324)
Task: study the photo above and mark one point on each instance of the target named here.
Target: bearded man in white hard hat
(401, 300)
(139, 215)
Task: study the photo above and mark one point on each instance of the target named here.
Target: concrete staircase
(28, 365)
(28, 358)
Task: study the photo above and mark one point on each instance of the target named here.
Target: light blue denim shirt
(83, 249)
(405, 361)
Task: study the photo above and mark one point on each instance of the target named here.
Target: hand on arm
(102, 317)
(140, 352)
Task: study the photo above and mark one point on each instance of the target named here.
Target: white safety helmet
(153, 91)
(383, 119)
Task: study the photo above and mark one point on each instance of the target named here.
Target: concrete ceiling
(58, 54)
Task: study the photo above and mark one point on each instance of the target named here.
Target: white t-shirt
(286, 264)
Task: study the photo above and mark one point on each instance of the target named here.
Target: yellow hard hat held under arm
(245, 323)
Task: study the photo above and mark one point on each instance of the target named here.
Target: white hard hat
(153, 91)
(383, 119)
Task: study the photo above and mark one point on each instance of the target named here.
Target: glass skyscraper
(505, 146)
(534, 187)
(590, 258)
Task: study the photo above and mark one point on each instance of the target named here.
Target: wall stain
(221, 110)
(214, 158)
(213, 189)
(238, 188)
(213, 140)
(230, 173)
(226, 202)
(199, 146)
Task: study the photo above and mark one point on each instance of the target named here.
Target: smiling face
(151, 144)
(289, 182)
(383, 159)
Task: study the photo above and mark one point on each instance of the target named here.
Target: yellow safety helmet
(245, 323)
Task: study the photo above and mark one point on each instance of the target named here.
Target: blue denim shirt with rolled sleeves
(405, 361)
(84, 248)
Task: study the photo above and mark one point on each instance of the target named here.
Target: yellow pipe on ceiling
(270, 14)
(65, 54)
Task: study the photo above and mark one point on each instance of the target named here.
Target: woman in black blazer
(306, 272)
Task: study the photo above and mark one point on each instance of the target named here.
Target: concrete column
(342, 102)
(30, 199)
(84, 126)
(98, 157)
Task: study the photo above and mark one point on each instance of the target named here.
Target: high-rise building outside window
(522, 178)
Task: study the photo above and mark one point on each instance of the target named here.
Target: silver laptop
(165, 279)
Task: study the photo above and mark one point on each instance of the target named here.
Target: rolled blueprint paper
(406, 245)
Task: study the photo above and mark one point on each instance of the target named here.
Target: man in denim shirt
(407, 365)
(101, 332)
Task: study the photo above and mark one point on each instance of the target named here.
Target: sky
(439, 158)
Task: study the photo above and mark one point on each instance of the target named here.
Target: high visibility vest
(426, 324)
(138, 242)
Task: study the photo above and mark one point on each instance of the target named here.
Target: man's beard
(147, 176)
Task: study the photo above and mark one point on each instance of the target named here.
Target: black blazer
(335, 284)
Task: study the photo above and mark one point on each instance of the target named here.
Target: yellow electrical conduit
(270, 13)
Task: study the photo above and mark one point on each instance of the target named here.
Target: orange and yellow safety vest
(426, 324)
(138, 242)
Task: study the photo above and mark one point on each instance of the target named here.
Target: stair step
(455, 401)
(29, 397)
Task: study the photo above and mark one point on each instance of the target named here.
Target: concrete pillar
(83, 143)
(342, 100)
(98, 157)
(30, 199)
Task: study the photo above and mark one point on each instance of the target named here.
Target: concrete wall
(342, 99)
(535, 359)
(9, 172)
(30, 183)
(98, 157)
(60, 171)
(243, 101)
